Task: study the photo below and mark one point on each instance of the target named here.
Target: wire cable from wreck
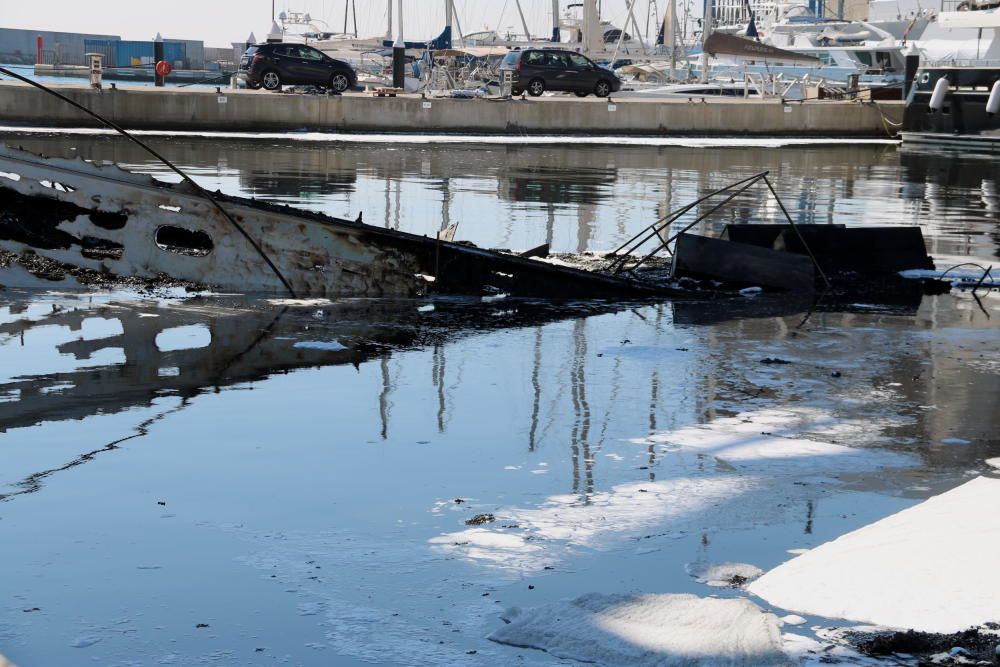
(187, 179)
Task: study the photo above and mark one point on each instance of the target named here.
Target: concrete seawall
(245, 110)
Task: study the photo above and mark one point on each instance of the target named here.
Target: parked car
(538, 70)
(271, 66)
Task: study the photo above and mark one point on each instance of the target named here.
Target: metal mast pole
(399, 54)
(706, 29)
(524, 24)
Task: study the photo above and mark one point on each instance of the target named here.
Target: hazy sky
(219, 22)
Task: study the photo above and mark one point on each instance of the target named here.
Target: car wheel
(536, 87)
(602, 89)
(580, 93)
(270, 80)
(340, 82)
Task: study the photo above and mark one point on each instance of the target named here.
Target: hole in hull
(95, 248)
(184, 241)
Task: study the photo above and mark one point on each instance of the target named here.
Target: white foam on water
(661, 630)
(722, 575)
(84, 641)
(793, 619)
(770, 441)
(749, 469)
(930, 567)
(329, 346)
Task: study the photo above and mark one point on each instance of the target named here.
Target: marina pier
(137, 107)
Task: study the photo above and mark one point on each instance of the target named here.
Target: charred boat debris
(782, 257)
(62, 218)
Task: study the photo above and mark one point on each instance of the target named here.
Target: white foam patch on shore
(501, 139)
(637, 630)
(930, 567)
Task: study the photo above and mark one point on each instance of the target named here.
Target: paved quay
(139, 107)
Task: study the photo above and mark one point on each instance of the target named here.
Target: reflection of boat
(151, 352)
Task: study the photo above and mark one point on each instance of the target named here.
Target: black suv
(272, 66)
(538, 70)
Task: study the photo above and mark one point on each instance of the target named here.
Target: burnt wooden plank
(741, 263)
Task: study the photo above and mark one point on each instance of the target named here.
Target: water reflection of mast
(585, 229)
(388, 203)
(399, 197)
(536, 387)
(550, 224)
(654, 398)
(581, 408)
(384, 404)
(437, 377)
(445, 203)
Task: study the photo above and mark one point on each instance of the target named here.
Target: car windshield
(510, 59)
(250, 51)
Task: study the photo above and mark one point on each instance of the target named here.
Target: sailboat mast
(706, 30)
(524, 24)
(458, 22)
(556, 36)
(388, 14)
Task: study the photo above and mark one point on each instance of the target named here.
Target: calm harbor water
(230, 480)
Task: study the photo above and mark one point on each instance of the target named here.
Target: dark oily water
(581, 198)
(224, 480)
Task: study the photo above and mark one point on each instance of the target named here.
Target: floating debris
(480, 519)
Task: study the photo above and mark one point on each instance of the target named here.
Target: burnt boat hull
(107, 220)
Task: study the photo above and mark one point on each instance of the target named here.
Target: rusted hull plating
(112, 221)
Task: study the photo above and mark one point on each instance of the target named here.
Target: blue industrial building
(19, 46)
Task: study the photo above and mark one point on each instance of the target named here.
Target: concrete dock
(137, 107)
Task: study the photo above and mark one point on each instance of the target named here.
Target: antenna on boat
(187, 179)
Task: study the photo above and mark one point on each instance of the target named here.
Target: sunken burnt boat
(63, 219)
(69, 222)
